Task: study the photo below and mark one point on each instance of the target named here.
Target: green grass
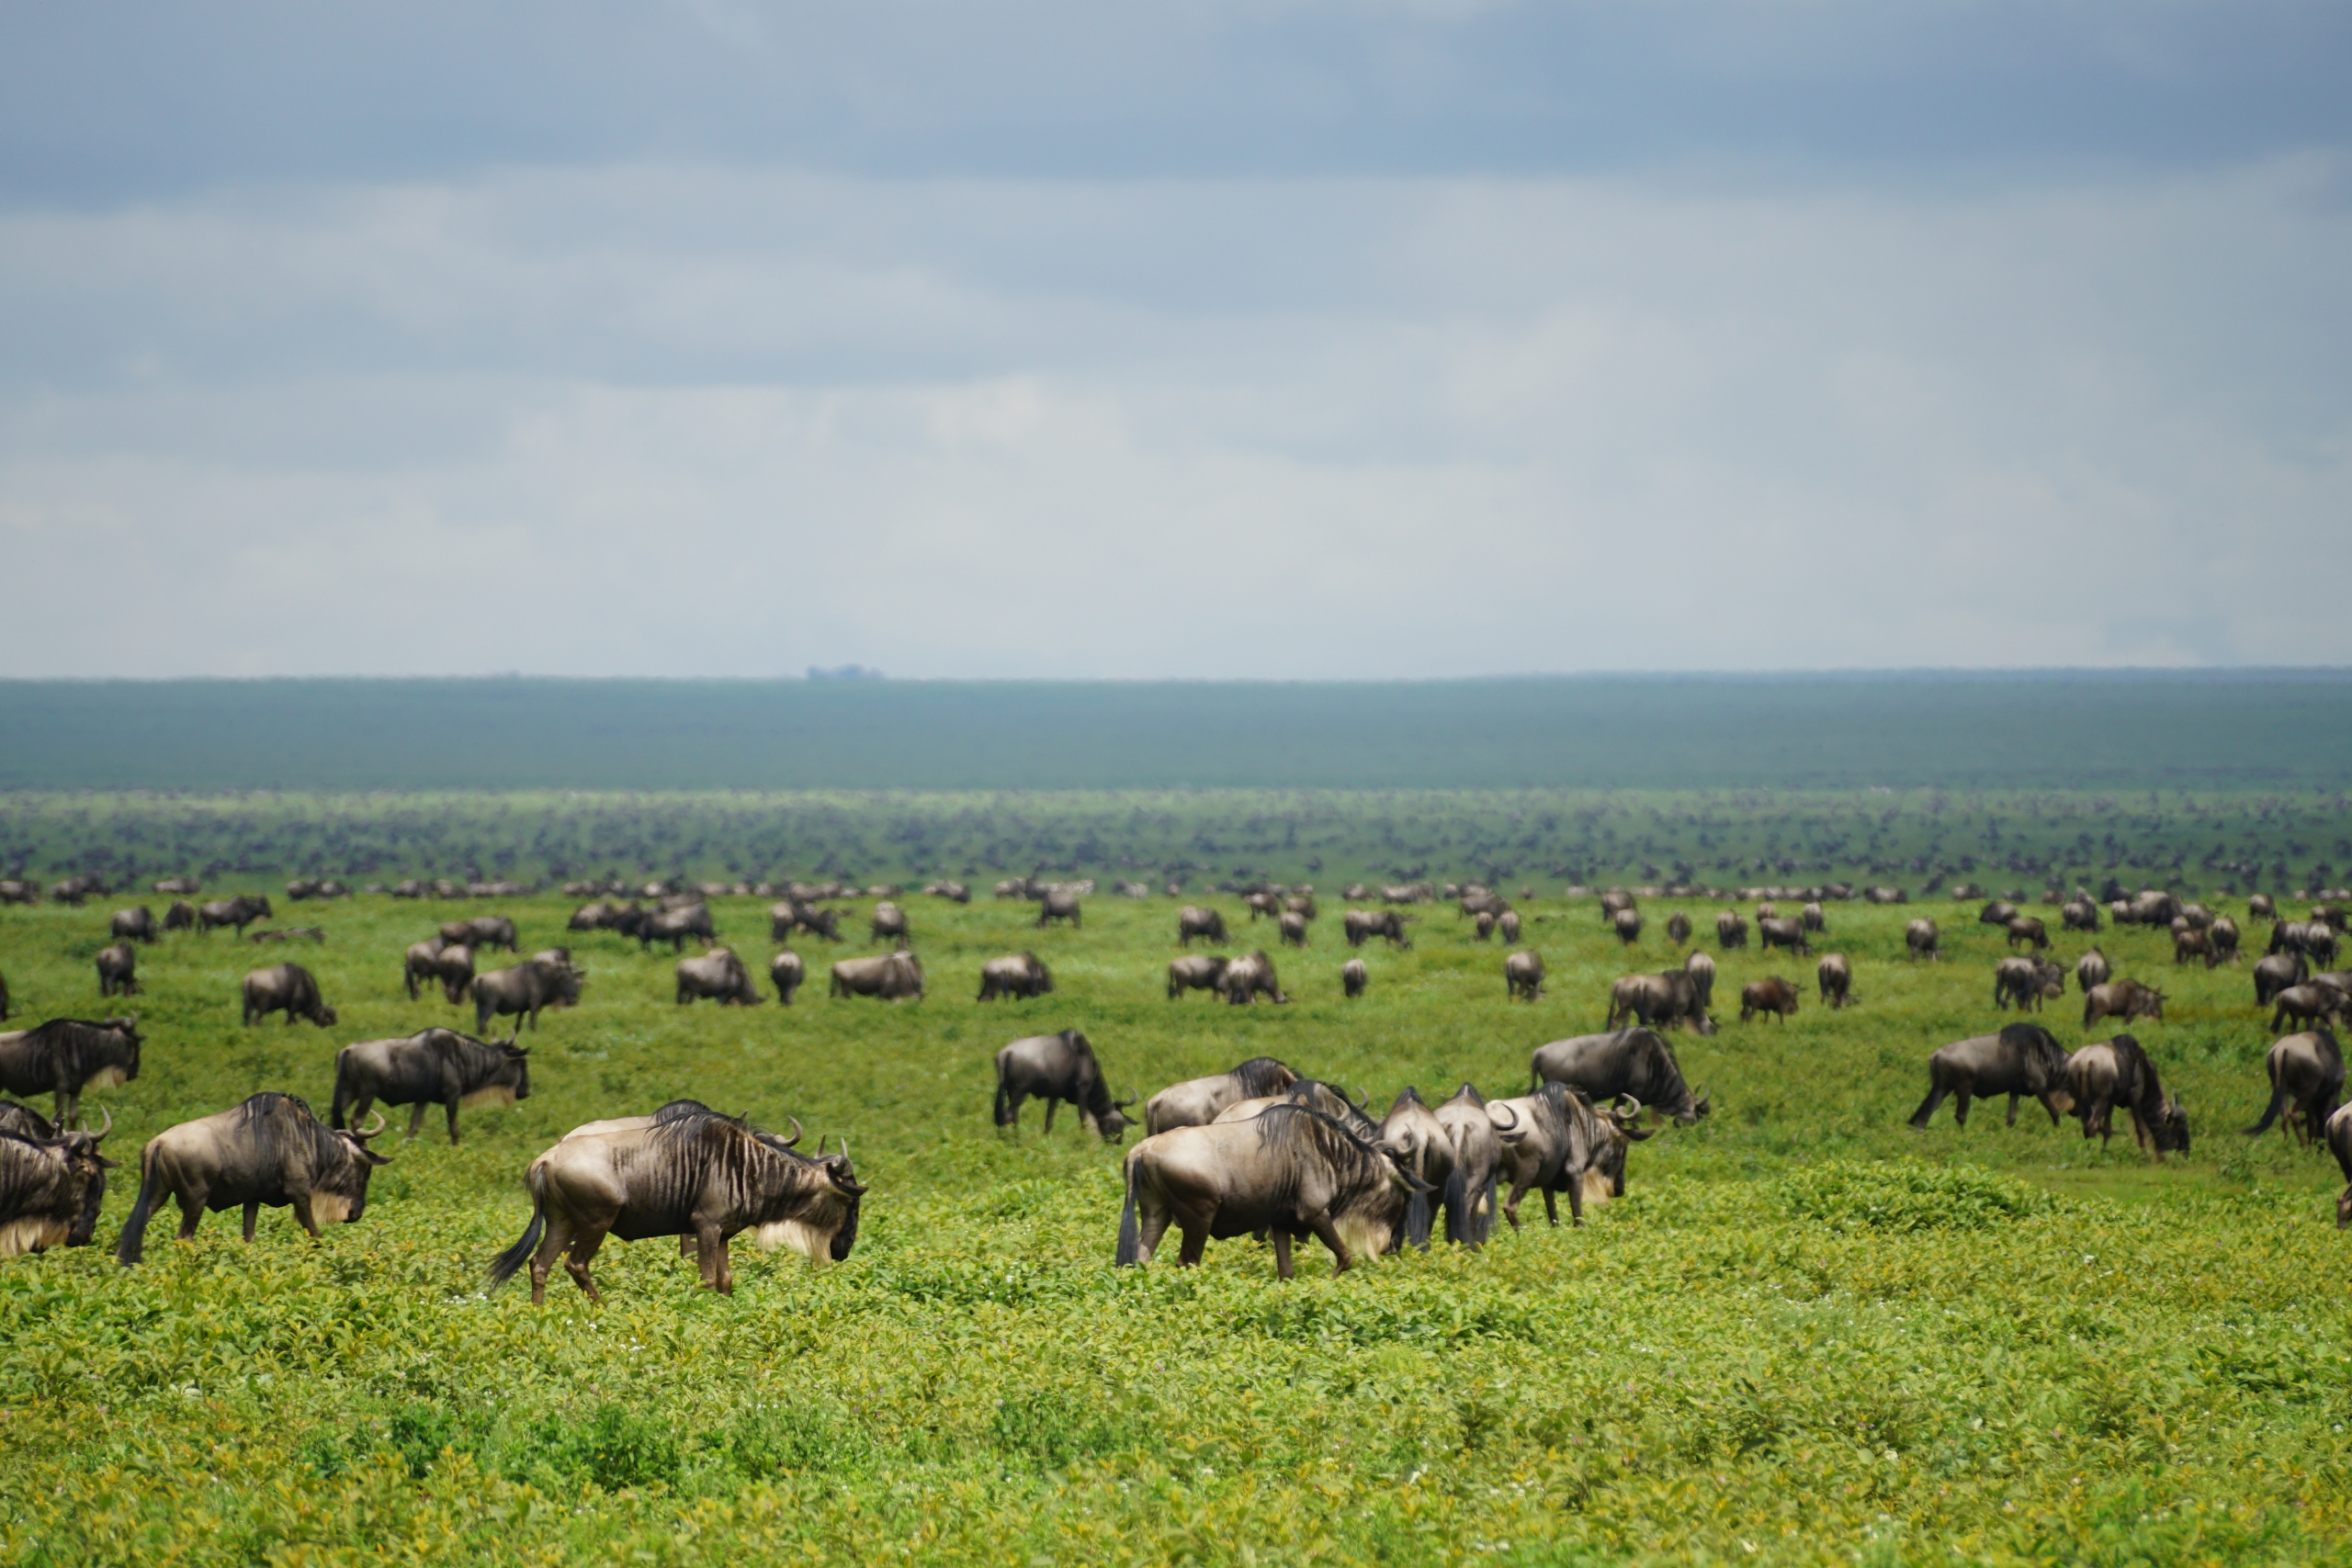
(1806, 1335)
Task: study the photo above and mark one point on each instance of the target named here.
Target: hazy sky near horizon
(1427, 338)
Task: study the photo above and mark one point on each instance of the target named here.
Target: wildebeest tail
(2270, 1113)
(1003, 1119)
(132, 1244)
(343, 1094)
(1416, 1218)
(503, 1268)
(1458, 1224)
(1130, 1233)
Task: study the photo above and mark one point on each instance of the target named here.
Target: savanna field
(1806, 1332)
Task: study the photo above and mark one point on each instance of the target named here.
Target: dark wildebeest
(1523, 976)
(2306, 1082)
(2114, 1072)
(1553, 1141)
(1191, 920)
(118, 970)
(1201, 972)
(599, 915)
(180, 917)
(2024, 1059)
(890, 923)
(2189, 941)
(1507, 923)
(1288, 1172)
(1835, 977)
(1055, 1068)
(1920, 936)
(1293, 928)
(1264, 905)
(1247, 976)
(1997, 913)
(1771, 995)
(522, 990)
(1629, 1063)
(1659, 1001)
(954, 891)
(719, 973)
(674, 926)
(2339, 1144)
(1059, 904)
(2314, 1001)
(1354, 978)
(1483, 928)
(1628, 926)
(2027, 929)
(2079, 915)
(2259, 906)
(67, 1057)
(2090, 970)
(785, 972)
(893, 977)
(289, 989)
(2026, 982)
(132, 925)
(1678, 928)
(1766, 909)
(2126, 999)
(1477, 1155)
(704, 1175)
(421, 962)
(2275, 972)
(1022, 974)
(1611, 901)
(1362, 925)
(2222, 939)
(3, 999)
(1700, 968)
(1301, 903)
(240, 912)
(454, 967)
(272, 1150)
(434, 1066)
(1814, 920)
(483, 932)
(1419, 1140)
(1731, 929)
(52, 1185)
(1790, 935)
(1197, 1101)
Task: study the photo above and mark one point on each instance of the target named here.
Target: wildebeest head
(1620, 1129)
(342, 1184)
(844, 1189)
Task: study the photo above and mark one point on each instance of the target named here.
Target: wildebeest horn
(1123, 1105)
(99, 1136)
(364, 1133)
(795, 1130)
(1625, 1100)
(1507, 1110)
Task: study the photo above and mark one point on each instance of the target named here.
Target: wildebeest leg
(1281, 1255)
(451, 1106)
(69, 1106)
(1154, 1227)
(1510, 1202)
(416, 1119)
(1195, 1242)
(1052, 1105)
(253, 1215)
(1960, 1099)
(191, 1210)
(710, 1251)
(1576, 1199)
(1329, 1234)
(2013, 1108)
(1551, 1206)
(2050, 1103)
(583, 1252)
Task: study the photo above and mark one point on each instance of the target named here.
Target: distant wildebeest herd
(1261, 1150)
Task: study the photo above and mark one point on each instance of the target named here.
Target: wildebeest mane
(74, 1043)
(2142, 1093)
(23, 1120)
(1297, 1128)
(1471, 1089)
(1653, 1077)
(1260, 1076)
(1355, 1121)
(475, 1059)
(2038, 1046)
(288, 1119)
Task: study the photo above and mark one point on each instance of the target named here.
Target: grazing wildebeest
(1354, 978)
(2114, 1072)
(2275, 972)
(1328, 1098)
(174, 885)
(1626, 1063)
(118, 970)
(2024, 1059)
(1507, 925)
(180, 917)
(522, 990)
(1055, 1068)
(2222, 938)
(132, 925)
(1477, 1155)
(2319, 941)
(1247, 976)
(1700, 968)
(600, 916)
(1362, 925)
(421, 962)
(1201, 972)
(1191, 920)
(1771, 995)
(1059, 904)
(1997, 913)
(1020, 975)
(1523, 976)
(432, 1066)
(2026, 982)
(2090, 970)
(1613, 900)
(701, 1175)
(2189, 942)
(1628, 926)
(1419, 1138)
(2079, 915)
(1293, 928)
(67, 1057)
(52, 1185)
(270, 1151)
(719, 973)
(2259, 906)
(1553, 1141)
(1731, 929)
(1766, 909)
(485, 931)
(1288, 1172)
(1262, 905)
(2314, 1001)
(785, 972)
(454, 967)
(2126, 999)
(1835, 977)
(1197, 1101)
(1483, 928)
(674, 926)
(289, 989)
(954, 891)
(1660, 1001)
(2027, 929)
(890, 923)
(1790, 935)
(1678, 928)
(1814, 920)
(893, 977)
(1921, 937)
(2306, 1082)
(240, 912)
(1301, 903)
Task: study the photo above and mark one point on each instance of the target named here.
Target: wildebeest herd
(1263, 1150)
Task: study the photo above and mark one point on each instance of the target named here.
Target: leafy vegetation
(1806, 1333)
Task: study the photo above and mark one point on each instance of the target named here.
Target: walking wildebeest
(1660, 1001)
(704, 1175)
(118, 970)
(1477, 1155)
(1835, 977)
(1678, 928)
(432, 1066)
(1191, 920)
(2306, 1082)
(270, 1151)
(180, 917)
(1360, 925)
(1523, 976)
(2027, 929)
(1288, 1172)
(240, 912)
(2079, 915)
(421, 962)
(954, 891)
(522, 990)
(1628, 926)
(289, 989)
(1731, 929)
(2023, 1059)
(1771, 995)
(1201, 972)
(1055, 1068)
(2259, 906)
(1059, 904)
(719, 973)
(52, 1185)
(1328, 1098)
(2126, 999)
(1020, 975)
(1790, 935)
(1246, 976)
(1506, 924)
(893, 977)
(674, 926)
(1997, 913)
(1634, 1064)
(1552, 1141)
(785, 972)
(2274, 973)
(1354, 978)
(2026, 982)
(132, 925)
(1921, 937)
(1197, 1101)
(2090, 970)
(2314, 1001)
(2106, 1073)
(483, 932)
(67, 1057)
(1613, 900)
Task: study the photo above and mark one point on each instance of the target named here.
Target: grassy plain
(1806, 1335)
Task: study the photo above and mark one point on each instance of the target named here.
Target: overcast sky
(1182, 339)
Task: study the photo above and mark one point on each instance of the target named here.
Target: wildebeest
(1997, 913)
(270, 1151)
(2222, 938)
(702, 1175)
(785, 972)
(240, 912)
(718, 974)
(1552, 1141)
(118, 970)
(893, 976)
(1835, 977)
(1613, 900)
(1814, 920)
(1790, 935)
(2275, 972)
(1636, 1062)
(2309, 1003)
(1731, 929)
(1328, 1098)
(3, 999)
(674, 926)
(1057, 1068)
(1200, 972)
(1523, 975)
(289, 989)
(132, 925)
(1771, 995)
(432, 1066)
(1628, 926)
(2090, 970)
(2108, 1073)
(2259, 906)
(1483, 928)
(483, 931)
(2339, 1144)
(1700, 968)
(1197, 1101)
(1678, 928)
(1421, 1146)
(52, 1185)
(1921, 938)
(522, 990)
(954, 891)
(1289, 1172)
(421, 962)
(1354, 978)
(180, 917)
(1360, 925)
(1477, 1155)
(172, 885)
(454, 967)
(67, 1057)
(2079, 915)
(1262, 905)
(2027, 929)
(2026, 982)
(1506, 924)
(1020, 975)
(2306, 1082)
(2022, 1060)
(1660, 1001)
(1249, 976)
(1191, 920)
(1059, 904)
(2126, 999)
(1293, 928)
(890, 923)
(1766, 909)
